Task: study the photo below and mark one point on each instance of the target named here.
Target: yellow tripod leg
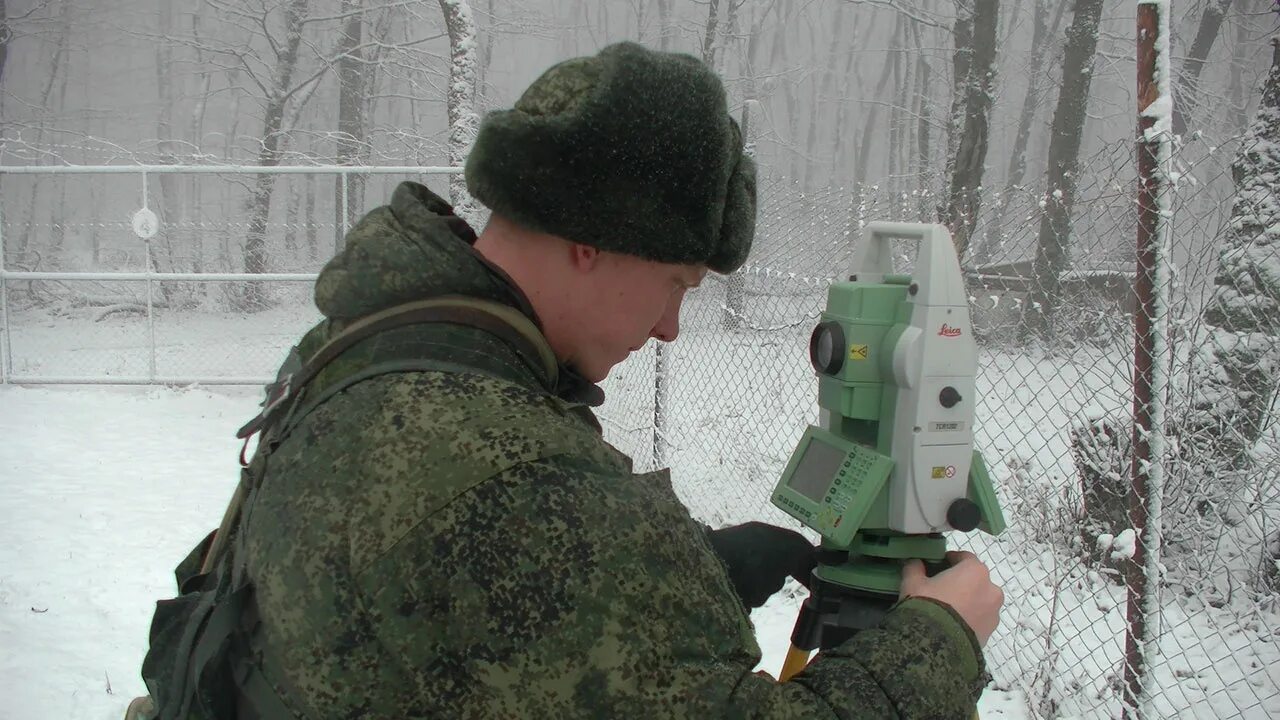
(796, 661)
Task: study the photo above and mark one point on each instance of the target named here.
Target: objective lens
(826, 348)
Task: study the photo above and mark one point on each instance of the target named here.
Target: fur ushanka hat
(631, 151)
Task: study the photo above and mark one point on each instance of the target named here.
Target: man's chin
(593, 375)
(598, 372)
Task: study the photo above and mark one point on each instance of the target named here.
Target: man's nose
(668, 326)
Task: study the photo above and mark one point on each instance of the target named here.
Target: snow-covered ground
(103, 490)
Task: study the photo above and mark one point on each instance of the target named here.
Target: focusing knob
(949, 397)
(964, 515)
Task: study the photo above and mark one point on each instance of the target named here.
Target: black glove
(760, 557)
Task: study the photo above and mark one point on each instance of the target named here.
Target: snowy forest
(256, 131)
(956, 110)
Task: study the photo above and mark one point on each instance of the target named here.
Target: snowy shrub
(1102, 449)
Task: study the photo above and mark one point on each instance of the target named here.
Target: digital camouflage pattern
(462, 543)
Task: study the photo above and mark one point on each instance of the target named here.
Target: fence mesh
(1055, 425)
(725, 405)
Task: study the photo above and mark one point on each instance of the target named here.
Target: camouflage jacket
(462, 542)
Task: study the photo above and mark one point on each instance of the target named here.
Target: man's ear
(583, 257)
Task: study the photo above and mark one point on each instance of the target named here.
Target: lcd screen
(816, 469)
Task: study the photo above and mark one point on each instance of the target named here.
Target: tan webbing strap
(494, 317)
(504, 321)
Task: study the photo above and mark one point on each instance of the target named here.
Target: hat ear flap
(738, 227)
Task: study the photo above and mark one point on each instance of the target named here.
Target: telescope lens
(826, 348)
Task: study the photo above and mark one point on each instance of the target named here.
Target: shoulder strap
(501, 320)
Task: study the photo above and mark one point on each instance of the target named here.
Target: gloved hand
(760, 557)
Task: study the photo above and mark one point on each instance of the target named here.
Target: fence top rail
(135, 275)
(181, 380)
(232, 169)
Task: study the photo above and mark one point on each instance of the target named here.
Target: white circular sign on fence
(145, 224)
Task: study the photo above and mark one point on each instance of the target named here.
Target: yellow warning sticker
(939, 472)
(858, 352)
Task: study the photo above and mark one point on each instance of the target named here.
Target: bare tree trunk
(170, 211)
(869, 127)
(291, 215)
(486, 58)
(899, 131)
(735, 294)
(1189, 78)
(55, 70)
(985, 252)
(95, 239)
(5, 35)
(229, 190)
(1053, 246)
(961, 60)
(463, 122)
(313, 245)
(374, 62)
(255, 243)
(1239, 60)
(709, 37)
(1040, 34)
(777, 57)
(731, 30)
(352, 72)
(664, 25)
(842, 149)
(60, 212)
(822, 101)
(639, 7)
(975, 87)
(924, 117)
(197, 137)
(839, 146)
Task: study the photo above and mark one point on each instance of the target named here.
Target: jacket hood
(415, 248)
(411, 249)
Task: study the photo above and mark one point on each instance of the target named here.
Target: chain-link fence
(1055, 421)
(725, 405)
(213, 292)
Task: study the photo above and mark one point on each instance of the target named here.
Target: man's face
(626, 301)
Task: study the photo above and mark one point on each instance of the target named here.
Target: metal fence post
(660, 391)
(6, 357)
(151, 315)
(151, 318)
(346, 217)
(1150, 379)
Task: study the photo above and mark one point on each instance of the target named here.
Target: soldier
(433, 526)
